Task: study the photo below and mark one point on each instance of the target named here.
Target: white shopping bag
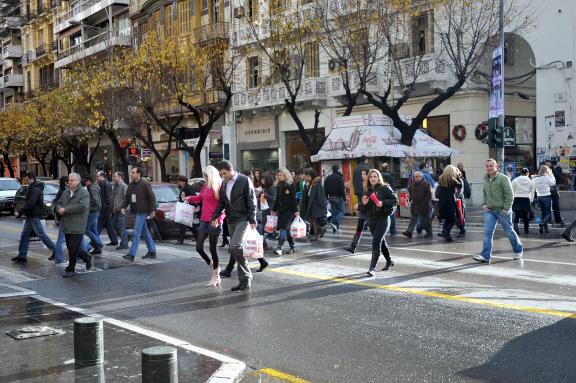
(271, 223)
(298, 228)
(253, 244)
(184, 214)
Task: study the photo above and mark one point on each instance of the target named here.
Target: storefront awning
(374, 136)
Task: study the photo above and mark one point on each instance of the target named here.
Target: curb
(231, 371)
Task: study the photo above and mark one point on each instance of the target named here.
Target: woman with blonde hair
(448, 191)
(209, 197)
(542, 183)
(286, 207)
(378, 204)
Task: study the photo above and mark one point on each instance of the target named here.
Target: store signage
(497, 91)
(509, 137)
(257, 131)
(145, 153)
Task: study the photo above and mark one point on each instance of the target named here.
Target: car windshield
(9, 185)
(51, 188)
(165, 193)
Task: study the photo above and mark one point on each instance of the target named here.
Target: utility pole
(500, 150)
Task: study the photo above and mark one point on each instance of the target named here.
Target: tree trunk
(81, 165)
(8, 164)
(197, 167)
(163, 173)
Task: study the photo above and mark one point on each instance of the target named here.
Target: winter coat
(314, 202)
(95, 200)
(447, 196)
(241, 206)
(523, 187)
(285, 205)
(389, 200)
(76, 209)
(543, 185)
(118, 195)
(420, 197)
(334, 185)
(498, 192)
(140, 197)
(184, 192)
(209, 203)
(34, 205)
(389, 178)
(105, 197)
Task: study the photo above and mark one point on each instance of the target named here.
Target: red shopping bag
(460, 212)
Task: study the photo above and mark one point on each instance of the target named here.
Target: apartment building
(202, 21)
(11, 78)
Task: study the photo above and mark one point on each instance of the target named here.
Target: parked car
(8, 189)
(50, 191)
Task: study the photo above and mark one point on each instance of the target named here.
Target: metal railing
(113, 38)
(78, 7)
(211, 32)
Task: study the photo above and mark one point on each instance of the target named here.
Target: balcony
(12, 51)
(312, 89)
(94, 45)
(13, 81)
(43, 50)
(212, 33)
(429, 69)
(9, 23)
(82, 11)
(336, 85)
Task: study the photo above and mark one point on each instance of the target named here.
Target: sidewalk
(51, 358)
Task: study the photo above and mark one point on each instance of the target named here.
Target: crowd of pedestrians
(231, 203)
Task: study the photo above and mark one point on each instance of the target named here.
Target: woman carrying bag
(285, 207)
(448, 191)
(267, 199)
(314, 203)
(378, 203)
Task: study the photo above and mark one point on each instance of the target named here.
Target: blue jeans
(119, 225)
(491, 218)
(140, 228)
(545, 204)
(338, 209)
(33, 225)
(60, 244)
(92, 230)
(393, 224)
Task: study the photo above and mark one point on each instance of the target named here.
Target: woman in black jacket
(378, 203)
(286, 207)
(268, 197)
(314, 203)
(448, 191)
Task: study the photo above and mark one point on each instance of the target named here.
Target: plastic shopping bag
(253, 244)
(184, 214)
(298, 228)
(271, 223)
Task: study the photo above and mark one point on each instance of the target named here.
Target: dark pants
(449, 223)
(213, 242)
(556, 207)
(182, 231)
(225, 231)
(379, 245)
(74, 245)
(119, 225)
(105, 221)
(423, 219)
(570, 230)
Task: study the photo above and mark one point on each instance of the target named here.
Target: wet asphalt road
(298, 320)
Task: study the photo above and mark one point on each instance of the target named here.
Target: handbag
(184, 214)
(252, 244)
(298, 228)
(271, 223)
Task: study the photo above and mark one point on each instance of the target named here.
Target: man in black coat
(357, 176)
(238, 199)
(33, 210)
(185, 190)
(336, 192)
(105, 216)
(554, 191)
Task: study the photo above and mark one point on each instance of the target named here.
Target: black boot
(374, 260)
(546, 231)
(353, 244)
(291, 243)
(263, 265)
(224, 242)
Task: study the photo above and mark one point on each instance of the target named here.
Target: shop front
(257, 140)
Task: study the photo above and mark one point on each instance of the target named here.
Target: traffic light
(133, 151)
(495, 133)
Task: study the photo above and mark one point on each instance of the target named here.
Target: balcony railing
(312, 89)
(12, 51)
(135, 6)
(211, 32)
(13, 81)
(78, 12)
(91, 46)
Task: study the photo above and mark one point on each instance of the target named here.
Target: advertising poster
(497, 92)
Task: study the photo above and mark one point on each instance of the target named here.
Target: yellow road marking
(281, 375)
(563, 314)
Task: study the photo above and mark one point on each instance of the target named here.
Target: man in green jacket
(73, 208)
(497, 205)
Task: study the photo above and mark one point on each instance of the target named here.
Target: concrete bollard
(88, 341)
(160, 365)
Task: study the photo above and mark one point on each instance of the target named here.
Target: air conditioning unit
(401, 50)
(239, 12)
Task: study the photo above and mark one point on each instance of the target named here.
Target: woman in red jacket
(208, 198)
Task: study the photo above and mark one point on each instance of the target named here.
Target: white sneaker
(277, 251)
(518, 256)
(371, 272)
(480, 258)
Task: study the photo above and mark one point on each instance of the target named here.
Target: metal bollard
(160, 365)
(88, 341)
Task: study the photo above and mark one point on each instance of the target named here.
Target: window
(253, 75)
(252, 8)
(215, 11)
(184, 17)
(168, 26)
(278, 6)
(155, 25)
(360, 50)
(75, 39)
(144, 30)
(423, 34)
(312, 56)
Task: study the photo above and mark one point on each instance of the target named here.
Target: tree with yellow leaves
(9, 123)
